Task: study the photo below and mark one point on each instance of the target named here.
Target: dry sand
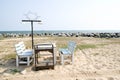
(101, 63)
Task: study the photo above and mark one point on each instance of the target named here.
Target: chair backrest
(71, 46)
(20, 47)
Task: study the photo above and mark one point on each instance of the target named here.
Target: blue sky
(61, 14)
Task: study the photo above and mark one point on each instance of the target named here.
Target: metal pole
(32, 34)
(32, 29)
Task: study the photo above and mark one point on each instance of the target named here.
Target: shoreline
(7, 34)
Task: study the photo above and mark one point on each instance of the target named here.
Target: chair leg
(17, 61)
(36, 57)
(72, 58)
(28, 61)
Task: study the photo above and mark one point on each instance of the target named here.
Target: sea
(61, 31)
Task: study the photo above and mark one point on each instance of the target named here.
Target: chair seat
(26, 53)
(65, 51)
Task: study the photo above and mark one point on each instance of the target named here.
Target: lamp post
(31, 21)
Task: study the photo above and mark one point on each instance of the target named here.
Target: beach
(95, 59)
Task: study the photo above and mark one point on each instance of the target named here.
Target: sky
(60, 14)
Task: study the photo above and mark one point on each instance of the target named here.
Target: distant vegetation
(86, 46)
(1, 37)
(61, 42)
(9, 56)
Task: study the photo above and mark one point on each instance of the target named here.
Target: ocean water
(61, 31)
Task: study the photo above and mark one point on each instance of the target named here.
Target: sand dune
(101, 63)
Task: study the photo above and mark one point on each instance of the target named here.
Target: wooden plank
(43, 67)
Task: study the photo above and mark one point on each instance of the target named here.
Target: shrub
(85, 46)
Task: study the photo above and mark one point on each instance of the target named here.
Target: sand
(100, 63)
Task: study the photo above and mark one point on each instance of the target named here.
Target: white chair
(23, 55)
(68, 52)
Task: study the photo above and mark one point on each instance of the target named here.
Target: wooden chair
(68, 52)
(23, 55)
